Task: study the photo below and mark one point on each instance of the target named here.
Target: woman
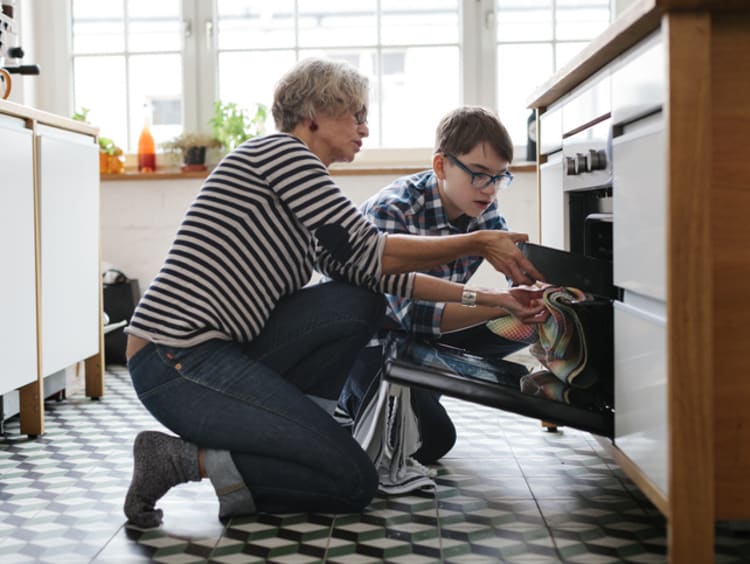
(231, 352)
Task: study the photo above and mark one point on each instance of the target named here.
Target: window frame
(52, 34)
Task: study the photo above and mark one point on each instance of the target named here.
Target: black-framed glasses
(480, 180)
(361, 116)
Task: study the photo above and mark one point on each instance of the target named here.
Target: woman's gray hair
(317, 85)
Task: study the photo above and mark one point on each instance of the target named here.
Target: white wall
(140, 218)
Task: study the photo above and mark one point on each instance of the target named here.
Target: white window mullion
(206, 67)
(479, 52)
(190, 107)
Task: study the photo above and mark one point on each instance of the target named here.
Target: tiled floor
(508, 492)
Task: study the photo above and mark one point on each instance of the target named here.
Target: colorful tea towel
(558, 343)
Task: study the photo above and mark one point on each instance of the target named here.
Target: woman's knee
(369, 304)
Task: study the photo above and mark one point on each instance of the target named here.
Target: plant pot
(194, 158)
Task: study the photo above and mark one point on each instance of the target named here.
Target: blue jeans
(253, 400)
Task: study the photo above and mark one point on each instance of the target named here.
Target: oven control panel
(587, 162)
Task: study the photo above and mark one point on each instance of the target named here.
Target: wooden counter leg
(550, 427)
(95, 376)
(31, 409)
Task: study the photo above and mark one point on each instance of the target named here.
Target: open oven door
(489, 381)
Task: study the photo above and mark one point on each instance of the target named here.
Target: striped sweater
(267, 216)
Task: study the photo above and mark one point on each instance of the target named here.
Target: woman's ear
(438, 165)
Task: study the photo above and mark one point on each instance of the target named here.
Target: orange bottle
(146, 147)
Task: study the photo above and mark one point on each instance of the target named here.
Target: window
(127, 63)
(541, 35)
(423, 58)
(394, 42)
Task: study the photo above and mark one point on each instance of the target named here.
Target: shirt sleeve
(414, 316)
(348, 246)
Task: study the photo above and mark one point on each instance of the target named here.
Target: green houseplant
(233, 125)
(192, 149)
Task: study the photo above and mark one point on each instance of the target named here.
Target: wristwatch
(469, 297)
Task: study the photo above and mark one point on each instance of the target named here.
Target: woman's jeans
(254, 401)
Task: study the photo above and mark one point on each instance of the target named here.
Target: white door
(69, 208)
(17, 279)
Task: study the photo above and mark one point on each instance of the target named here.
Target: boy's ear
(438, 165)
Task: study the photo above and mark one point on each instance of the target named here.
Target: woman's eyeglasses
(361, 116)
(480, 180)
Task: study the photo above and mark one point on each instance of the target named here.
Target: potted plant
(232, 125)
(192, 149)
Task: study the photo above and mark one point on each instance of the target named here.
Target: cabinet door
(18, 279)
(639, 201)
(552, 204)
(641, 386)
(69, 218)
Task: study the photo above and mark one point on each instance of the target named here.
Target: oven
(577, 234)
(576, 251)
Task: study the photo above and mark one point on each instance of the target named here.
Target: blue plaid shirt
(412, 205)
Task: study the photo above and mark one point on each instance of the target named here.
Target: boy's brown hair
(466, 127)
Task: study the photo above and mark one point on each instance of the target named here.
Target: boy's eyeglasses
(480, 180)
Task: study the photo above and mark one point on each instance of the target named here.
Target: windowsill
(364, 169)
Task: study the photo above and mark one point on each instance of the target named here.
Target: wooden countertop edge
(637, 21)
(25, 112)
(632, 25)
(394, 171)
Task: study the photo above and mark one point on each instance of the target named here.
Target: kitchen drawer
(550, 133)
(589, 103)
(639, 83)
(639, 207)
(641, 387)
(552, 204)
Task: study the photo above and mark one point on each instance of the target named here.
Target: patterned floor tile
(509, 491)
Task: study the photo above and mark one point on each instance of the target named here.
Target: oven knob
(570, 166)
(581, 163)
(597, 159)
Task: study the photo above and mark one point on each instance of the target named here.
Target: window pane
(156, 81)
(247, 89)
(98, 27)
(412, 102)
(581, 19)
(154, 26)
(337, 23)
(98, 86)
(254, 24)
(521, 68)
(365, 61)
(524, 20)
(415, 22)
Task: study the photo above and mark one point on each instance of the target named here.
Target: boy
(458, 195)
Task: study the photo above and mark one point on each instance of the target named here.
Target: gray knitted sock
(159, 463)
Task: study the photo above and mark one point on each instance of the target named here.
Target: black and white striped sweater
(267, 216)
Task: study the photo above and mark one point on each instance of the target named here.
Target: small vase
(194, 159)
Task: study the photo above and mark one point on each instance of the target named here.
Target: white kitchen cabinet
(681, 206)
(639, 234)
(18, 341)
(69, 212)
(50, 289)
(641, 387)
(553, 224)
